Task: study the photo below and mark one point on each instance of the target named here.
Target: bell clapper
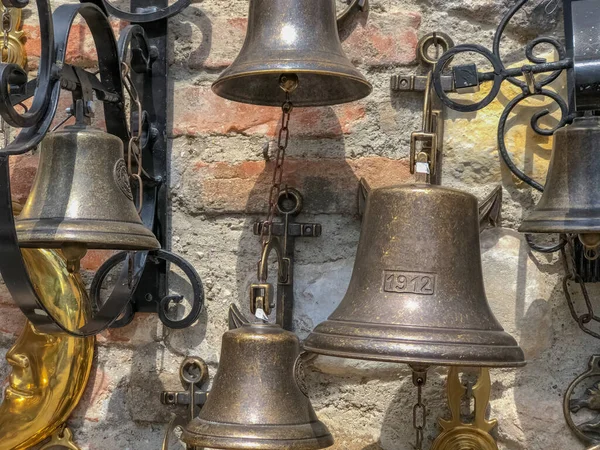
(288, 82)
(73, 252)
(591, 244)
(419, 376)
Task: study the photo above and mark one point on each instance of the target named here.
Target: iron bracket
(289, 205)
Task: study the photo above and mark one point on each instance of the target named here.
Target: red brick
(199, 111)
(328, 185)
(81, 50)
(12, 321)
(142, 330)
(22, 173)
(95, 258)
(384, 39)
(98, 389)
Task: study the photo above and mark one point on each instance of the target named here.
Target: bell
(81, 197)
(570, 203)
(292, 37)
(256, 401)
(416, 295)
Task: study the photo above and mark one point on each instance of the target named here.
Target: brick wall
(220, 180)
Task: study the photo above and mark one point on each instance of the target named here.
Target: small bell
(81, 197)
(288, 37)
(416, 294)
(257, 401)
(570, 202)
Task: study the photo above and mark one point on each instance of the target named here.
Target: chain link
(282, 143)
(6, 29)
(134, 150)
(571, 276)
(419, 414)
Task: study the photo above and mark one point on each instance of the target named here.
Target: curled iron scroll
(588, 432)
(355, 7)
(197, 301)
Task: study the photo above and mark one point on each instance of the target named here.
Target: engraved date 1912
(408, 282)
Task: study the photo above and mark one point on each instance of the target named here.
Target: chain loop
(282, 143)
(5, 58)
(419, 413)
(134, 150)
(571, 276)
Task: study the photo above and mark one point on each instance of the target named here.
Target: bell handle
(355, 7)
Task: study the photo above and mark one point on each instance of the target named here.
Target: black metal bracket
(289, 205)
(137, 62)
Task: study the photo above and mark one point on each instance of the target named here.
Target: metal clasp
(430, 137)
(261, 293)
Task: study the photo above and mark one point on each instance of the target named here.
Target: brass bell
(416, 294)
(256, 401)
(81, 197)
(570, 202)
(296, 37)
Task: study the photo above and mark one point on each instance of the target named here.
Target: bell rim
(222, 441)
(359, 79)
(574, 225)
(408, 351)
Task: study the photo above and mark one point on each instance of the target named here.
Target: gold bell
(570, 202)
(296, 37)
(81, 197)
(416, 294)
(256, 401)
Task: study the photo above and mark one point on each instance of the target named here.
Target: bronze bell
(416, 294)
(255, 401)
(292, 37)
(81, 197)
(570, 203)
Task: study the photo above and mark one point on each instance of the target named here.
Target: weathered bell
(255, 401)
(292, 37)
(81, 196)
(570, 203)
(416, 294)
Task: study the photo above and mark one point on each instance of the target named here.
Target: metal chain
(134, 150)
(282, 143)
(419, 414)
(6, 29)
(571, 275)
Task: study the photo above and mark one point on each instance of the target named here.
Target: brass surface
(456, 434)
(61, 439)
(81, 196)
(416, 294)
(14, 53)
(49, 372)
(292, 37)
(570, 202)
(255, 401)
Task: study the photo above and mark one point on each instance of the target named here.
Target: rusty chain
(6, 29)
(282, 143)
(134, 149)
(419, 410)
(571, 276)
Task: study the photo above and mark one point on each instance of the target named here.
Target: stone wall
(219, 185)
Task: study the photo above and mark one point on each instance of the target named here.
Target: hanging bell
(416, 294)
(256, 401)
(81, 197)
(570, 203)
(297, 37)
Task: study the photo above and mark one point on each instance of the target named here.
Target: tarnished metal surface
(416, 293)
(255, 401)
(81, 195)
(570, 203)
(292, 36)
(587, 401)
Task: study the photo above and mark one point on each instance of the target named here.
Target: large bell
(255, 401)
(570, 203)
(81, 196)
(416, 293)
(292, 37)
